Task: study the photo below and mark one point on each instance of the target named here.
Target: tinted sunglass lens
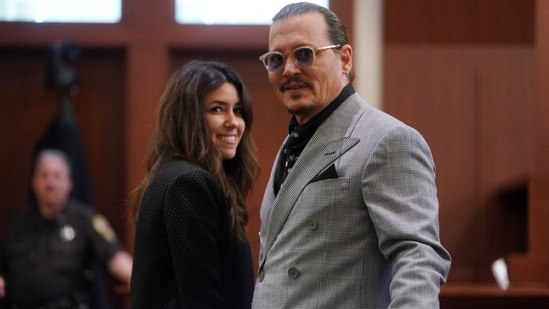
(274, 62)
(304, 56)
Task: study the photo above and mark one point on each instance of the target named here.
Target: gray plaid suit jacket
(355, 224)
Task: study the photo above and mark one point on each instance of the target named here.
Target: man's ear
(346, 53)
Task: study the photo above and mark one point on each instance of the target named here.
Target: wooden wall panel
(27, 108)
(484, 61)
(433, 90)
(542, 82)
(460, 22)
(474, 107)
(471, 86)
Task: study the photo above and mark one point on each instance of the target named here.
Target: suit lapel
(321, 151)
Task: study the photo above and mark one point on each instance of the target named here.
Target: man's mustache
(298, 80)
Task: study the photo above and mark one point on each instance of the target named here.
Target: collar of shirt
(300, 135)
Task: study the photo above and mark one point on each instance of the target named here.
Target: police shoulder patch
(103, 228)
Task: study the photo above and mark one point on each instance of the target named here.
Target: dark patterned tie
(290, 153)
(290, 160)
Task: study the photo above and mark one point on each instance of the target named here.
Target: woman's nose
(230, 119)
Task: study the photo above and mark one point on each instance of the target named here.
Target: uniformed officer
(50, 247)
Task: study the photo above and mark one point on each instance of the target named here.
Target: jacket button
(312, 224)
(261, 276)
(293, 272)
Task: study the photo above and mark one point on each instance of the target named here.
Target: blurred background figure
(50, 248)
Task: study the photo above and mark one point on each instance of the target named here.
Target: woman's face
(224, 119)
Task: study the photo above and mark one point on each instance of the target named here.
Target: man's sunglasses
(303, 57)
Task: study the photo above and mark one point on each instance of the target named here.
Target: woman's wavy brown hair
(181, 132)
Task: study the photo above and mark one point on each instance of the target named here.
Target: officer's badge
(103, 228)
(67, 232)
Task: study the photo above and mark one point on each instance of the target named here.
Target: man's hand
(120, 266)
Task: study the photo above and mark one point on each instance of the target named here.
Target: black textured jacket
(184, 255)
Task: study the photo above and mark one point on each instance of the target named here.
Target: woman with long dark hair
(191, 249)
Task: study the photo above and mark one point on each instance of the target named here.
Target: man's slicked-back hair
(337, 33)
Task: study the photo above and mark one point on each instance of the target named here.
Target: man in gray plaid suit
(350, 213)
